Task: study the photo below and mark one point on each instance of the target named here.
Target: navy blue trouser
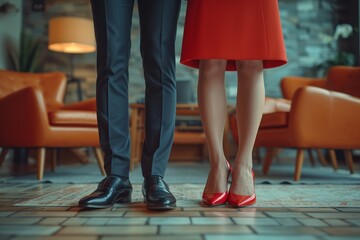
(112, 23)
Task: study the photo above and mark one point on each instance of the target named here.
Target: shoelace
(158, 182)
(105, 184)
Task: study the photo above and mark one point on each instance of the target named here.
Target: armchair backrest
(290, 84)
(52, 84)
(344, 79)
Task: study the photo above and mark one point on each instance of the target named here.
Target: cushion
(275, 119)
(76, 118)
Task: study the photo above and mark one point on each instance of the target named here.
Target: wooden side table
(184, 135)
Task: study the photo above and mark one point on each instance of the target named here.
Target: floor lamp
(72, 35)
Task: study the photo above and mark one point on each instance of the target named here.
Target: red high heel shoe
(215, 199)
(236, 200)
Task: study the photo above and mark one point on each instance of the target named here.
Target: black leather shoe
(110, 190)
(157, 195)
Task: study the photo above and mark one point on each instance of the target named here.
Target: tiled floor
(188, 221)
(26, 215)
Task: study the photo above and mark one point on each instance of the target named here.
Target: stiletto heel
(215, 199)
(236, 200)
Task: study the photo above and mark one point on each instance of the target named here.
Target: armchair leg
(4, 151)
(333, 159)
(321, 157)
(205, 152)
(79, 155)
(100, 159)
(40, 158)
(349, 160)
(311, 157)
(299, 163)
(268, 159)
(256, 154)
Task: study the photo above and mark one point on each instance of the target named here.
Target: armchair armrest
(325, 118)
(23, 119)
(290, 84)
(88, 105)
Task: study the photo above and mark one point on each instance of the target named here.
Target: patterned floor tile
(28, 230)
(158, 237)
(56, 238)
(42, 215)
(169, 221)
(128, 221)
(19, 221)
(288, 222)
(255, 221)
(259, 237)
(286, 215)
(312, 222)
(342, 231)
(52, 221)
(75, 221)
(204, 229)
(287, 230)
(337, 222)
(100, 221)
(234, 214)
(334, 215)
(212, 221)
(108, 230)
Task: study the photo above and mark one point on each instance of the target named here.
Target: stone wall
(307, 25)
(10, 15)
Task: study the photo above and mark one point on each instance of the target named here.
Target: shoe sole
(124, 199)
(94, 206)
(162, 207)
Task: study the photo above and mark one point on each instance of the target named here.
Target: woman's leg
(249, 108)
(212, 105)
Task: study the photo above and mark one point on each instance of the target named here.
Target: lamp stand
(73, 79)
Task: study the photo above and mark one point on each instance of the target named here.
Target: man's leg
(112, 23)
(158, 22)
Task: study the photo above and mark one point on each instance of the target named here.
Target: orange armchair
(324, 114)
(33, 115)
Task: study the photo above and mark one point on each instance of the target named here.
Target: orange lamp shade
(71, 35)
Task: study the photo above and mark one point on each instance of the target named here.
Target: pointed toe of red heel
(237, 200)
(215, 199)
(241, 201)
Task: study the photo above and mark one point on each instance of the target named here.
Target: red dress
(233, 30)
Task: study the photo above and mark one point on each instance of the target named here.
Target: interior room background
(309, 28)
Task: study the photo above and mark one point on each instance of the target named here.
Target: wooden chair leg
(333, 159)
(349, 160)
(138, 147)
(40, 159)
(298, 164)
(268, 159)
(4, 151)
(256, 155)
(226, 142)
(79, 155)
(321, 157)
(99, 159)
(311, 157)
(205, 152)
(133, 135)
